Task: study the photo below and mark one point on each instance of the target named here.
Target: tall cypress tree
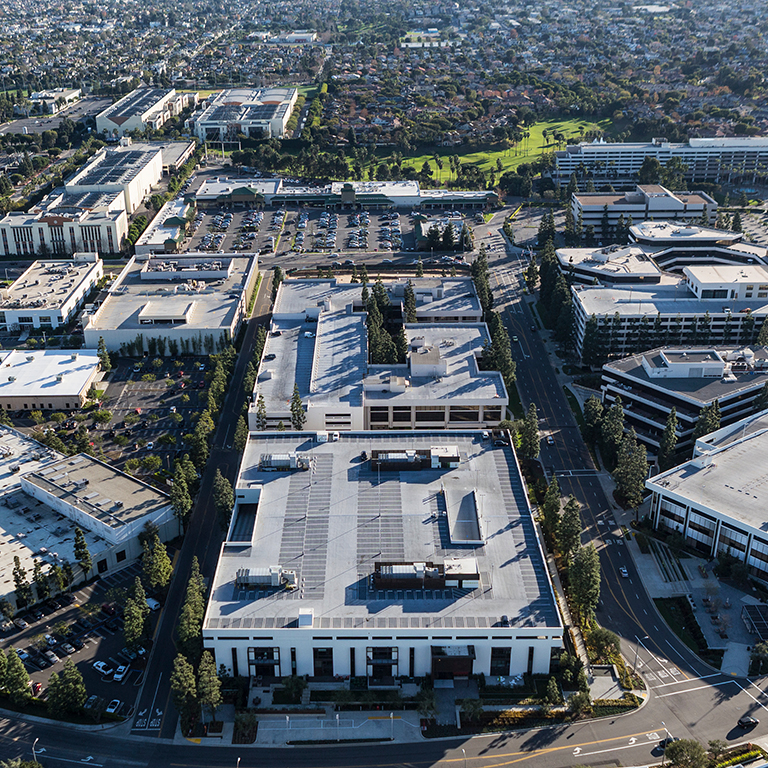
(668, 441)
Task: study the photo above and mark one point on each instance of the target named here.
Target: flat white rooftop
(614, 260)
(48, 372)
(726, 273)
(214, 299)
(732, 481)
(662, 232)
(48, 284)
(332, 523)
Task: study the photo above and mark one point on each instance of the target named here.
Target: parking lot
(283, 231)
(151, 417)
(755, 225)
(87, 633)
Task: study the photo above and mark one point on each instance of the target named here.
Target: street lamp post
(666, 736)
(464, 752)
(637, 649)
(34, 754)
(391, 726)
(238, 763)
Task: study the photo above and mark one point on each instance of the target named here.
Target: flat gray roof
(701, 391)
(109, 496)
(117, 166)
(667, 297)
(331, 524)
(47, 284)
(215, 301)
(435, 297)
(135, 103)
(731, 481)
(47, 372)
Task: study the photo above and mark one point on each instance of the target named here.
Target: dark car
(36, 613)
(66, 598)
(54, 605)
(108, 609)
(748, 722)
(76, 642)
(112, 624)
(500, 442)
(270, 356)
(665, 742)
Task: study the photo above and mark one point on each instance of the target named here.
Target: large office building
(716, 503)
(44, 496)
(143, 108)
(646, 202)
(48, 294)
(256, 113)
(319, 342)
(90, 213)
(707, 305)
(132, 170)
(372, 195)
(379, 555)
(715, 160)
(190, 304)
(47, 379)
(650, 384)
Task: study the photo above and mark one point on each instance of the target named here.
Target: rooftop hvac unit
(11, 378)
(59, 377)
(74, 356)
(30, 358)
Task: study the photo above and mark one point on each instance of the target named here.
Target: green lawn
(528, 150)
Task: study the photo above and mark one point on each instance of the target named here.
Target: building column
(716, 539)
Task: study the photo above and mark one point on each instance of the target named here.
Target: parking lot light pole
(34, 754)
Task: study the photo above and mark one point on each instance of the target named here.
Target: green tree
(761, 401)
(593, 418)
(409, 303)
(261, 413)
(631, 470)
(223, 498)
(554, 695)
(133, 624)
(82, 554)
(668, 442)
(298, 414)
(419, 267)
(708, 421)
(66, 691)
(686, 753)
(580, 703)
(736, 225)
(16, 679)
(208, 685)
(472, 709)
(650, 171)
(612, 432)
(426, 702)
(184, 692)
(181, 501)
(762, 336)
(191, 616)
(241, 433)
(760, 652)
(42, 581)
(584, 578)
(532, 274)
(103, 354)
(569, 529)
(21, 584)
(550, 507)
(155, 564)
(529, 434)
(277, 278)
(605, 644)
(593, 349)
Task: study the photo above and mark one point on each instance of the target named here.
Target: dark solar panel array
(757, 616)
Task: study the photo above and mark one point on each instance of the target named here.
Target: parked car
(103, 669)
(67, 648)
(113, 706)
(51, 656)
(121, 672)
(20, 623)
(748, 722)
(108, 609)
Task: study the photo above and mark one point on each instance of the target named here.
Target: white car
(624, 572)
(103, 669)
(51, 656)
(113, 706)
(550, 440)
(120, 673)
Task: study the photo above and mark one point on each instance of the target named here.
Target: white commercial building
(715, 501)
(167, 230)
(688, 379)
(48, 294)
(143, 108)
(338, 194)
(716, 159)
(134, 171)
(44, 496)
(708, 305)
(647, 202)
(190, 304)
(52, 101)
(47, 379)
(381, 554)
(253, 112)
(319, 341)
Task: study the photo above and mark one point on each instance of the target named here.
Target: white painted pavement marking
(701, 687)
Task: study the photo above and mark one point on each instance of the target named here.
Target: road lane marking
(700, 687)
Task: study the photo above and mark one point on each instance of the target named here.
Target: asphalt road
(688, 699)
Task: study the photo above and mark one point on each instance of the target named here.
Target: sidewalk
(400, 726)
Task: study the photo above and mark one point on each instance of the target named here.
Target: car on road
(514, 339)
(121, 672)
(152, 604)
(665, 742)
(624, 572)
(550, 440)
(748, 722)
(103, 669)
(113, 706)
